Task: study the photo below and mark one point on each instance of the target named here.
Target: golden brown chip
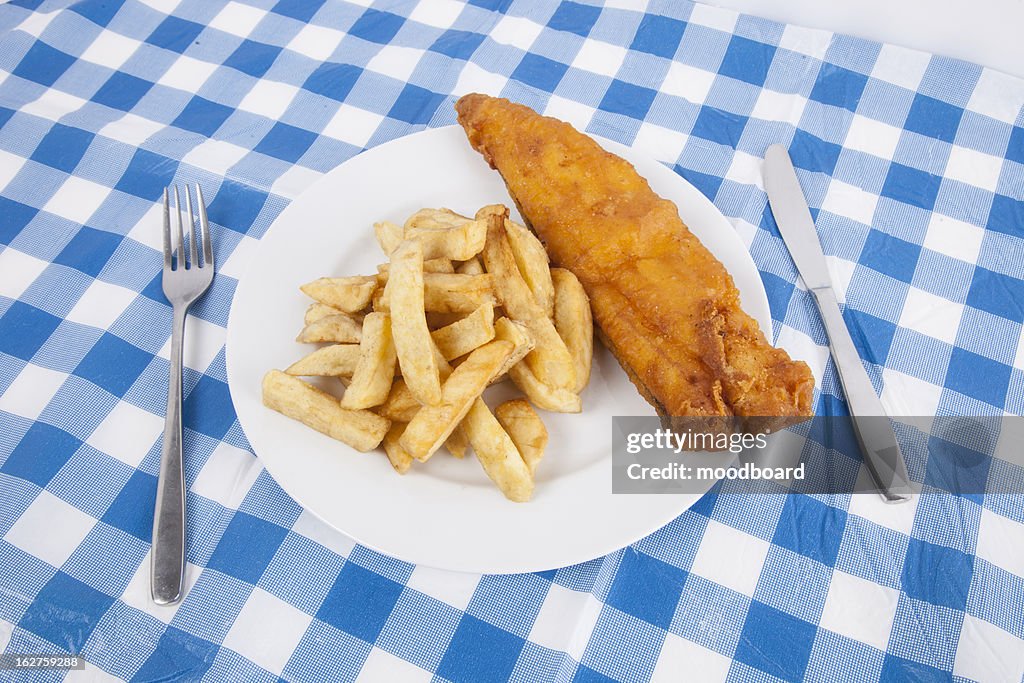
(497, 453)
(526, 428)
(542, 395)
(347, 294)
(337, 360)
(415, 348)
(397, 456)
(339, 328)
(375, 369)
(462, 336)
(574, 322)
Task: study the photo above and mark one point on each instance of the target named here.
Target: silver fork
(184, 280)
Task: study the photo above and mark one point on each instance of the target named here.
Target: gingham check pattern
(913, 166)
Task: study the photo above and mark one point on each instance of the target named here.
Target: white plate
(445, 513)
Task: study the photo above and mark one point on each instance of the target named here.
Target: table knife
(875, 436)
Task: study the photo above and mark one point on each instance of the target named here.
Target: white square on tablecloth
(6, 629)
(18, 270)
(872, 137)
(663, 144)
(316, 530)
(955, 238)
(682, 80)
(295, 181)
(50, 529)
(437, 13)
(110, 49)
(238, 19)
(974, 167)
(679, 655)
(714, 17)
(316, 42)
(381, 665)
(778, 106)
(556, 620)
(931, 315)
(579, 115)
(998, 95)
(187, 74)
(127, 433)
(90, 673)
(451, 588)
(268, 98)
(745, 169)
(139, 593)
(599, 57)
(851, 201)
(31, 391)
(101, 304)
(987, 653)
(730, 557)
(77, 199)
(871, 507)
(585, 624)
(840, 271)
(53, 104)
(235, 264)
(516, 31)
(10, 164)
(131, 129)
(203, 342)
(36, 22)
(215, 156)
(267, 630)
(165, 6)
(859, 609)
(812, 42)
(901, 66)
(395, 61)
(352, 125)
(473, 78)
(227, 476)
(904, 394)
(999, 542)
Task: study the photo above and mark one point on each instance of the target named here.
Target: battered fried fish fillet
(665, 306)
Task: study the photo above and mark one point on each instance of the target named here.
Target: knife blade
(875, 436)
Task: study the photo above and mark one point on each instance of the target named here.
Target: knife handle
(870, 425)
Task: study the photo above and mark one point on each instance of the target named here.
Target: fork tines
(178, 251)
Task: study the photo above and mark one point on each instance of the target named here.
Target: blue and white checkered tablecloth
(914, 168)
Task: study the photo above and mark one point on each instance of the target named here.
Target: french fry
(347, 294)
(435, 265)
(527, 430)
(400, 460)
(400, 405)
(375, 370)
(339, 328)
(457, 442)
(436, 219)
(542, 395)
(409, 323)
(434, 423)
(458, 243)
(292, 397)
(549, 360)
(451, 293)
(497, 453)
(337, 360)
(470, 267)
(516, 333)
(574, 323)
(389, 236)
(532, 260)
(464, 335)
(315, 311)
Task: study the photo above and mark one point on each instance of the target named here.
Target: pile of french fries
(462, 303)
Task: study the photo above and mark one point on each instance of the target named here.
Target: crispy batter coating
(665, 306)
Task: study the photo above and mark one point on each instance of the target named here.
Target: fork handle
(168, 555)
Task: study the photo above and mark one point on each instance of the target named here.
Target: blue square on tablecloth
(956, 468)
(933, 118)
(96, 11)
(148, 175)
(1015, 148)
(871, 334)
(122, 91)
(236, 205)
(780, 291)
(113, 364)
(996, 293)
(40, 454)
(706, 183)
(24, 328)
(415, 104)
(937, 574)
(253, 58)
(775, 642)
(646, 588)
(479, 652)
(584, 674)
(810, 528)
(208, 409)
(890, 255)
(457, 44)
(659, 35)
(333, 80)
(628, 99)
(175, 34)
(286, 142)
(747, 60)
(540, 72)
(13, 217)
(899, 670)
(246, 547)
(178, 656)
(978, 377)
(202, 116)
(719, 126)
(360, 602)
(493, 5)
(26, 4)
(303, 10)
(814, 154)
(43, 64)
(838, 86)
(89, 250)
(63, 147)
(1006, 215)
(377, 26)
(574, 18)
(65, 612)
(132, 510)
(911, 186)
